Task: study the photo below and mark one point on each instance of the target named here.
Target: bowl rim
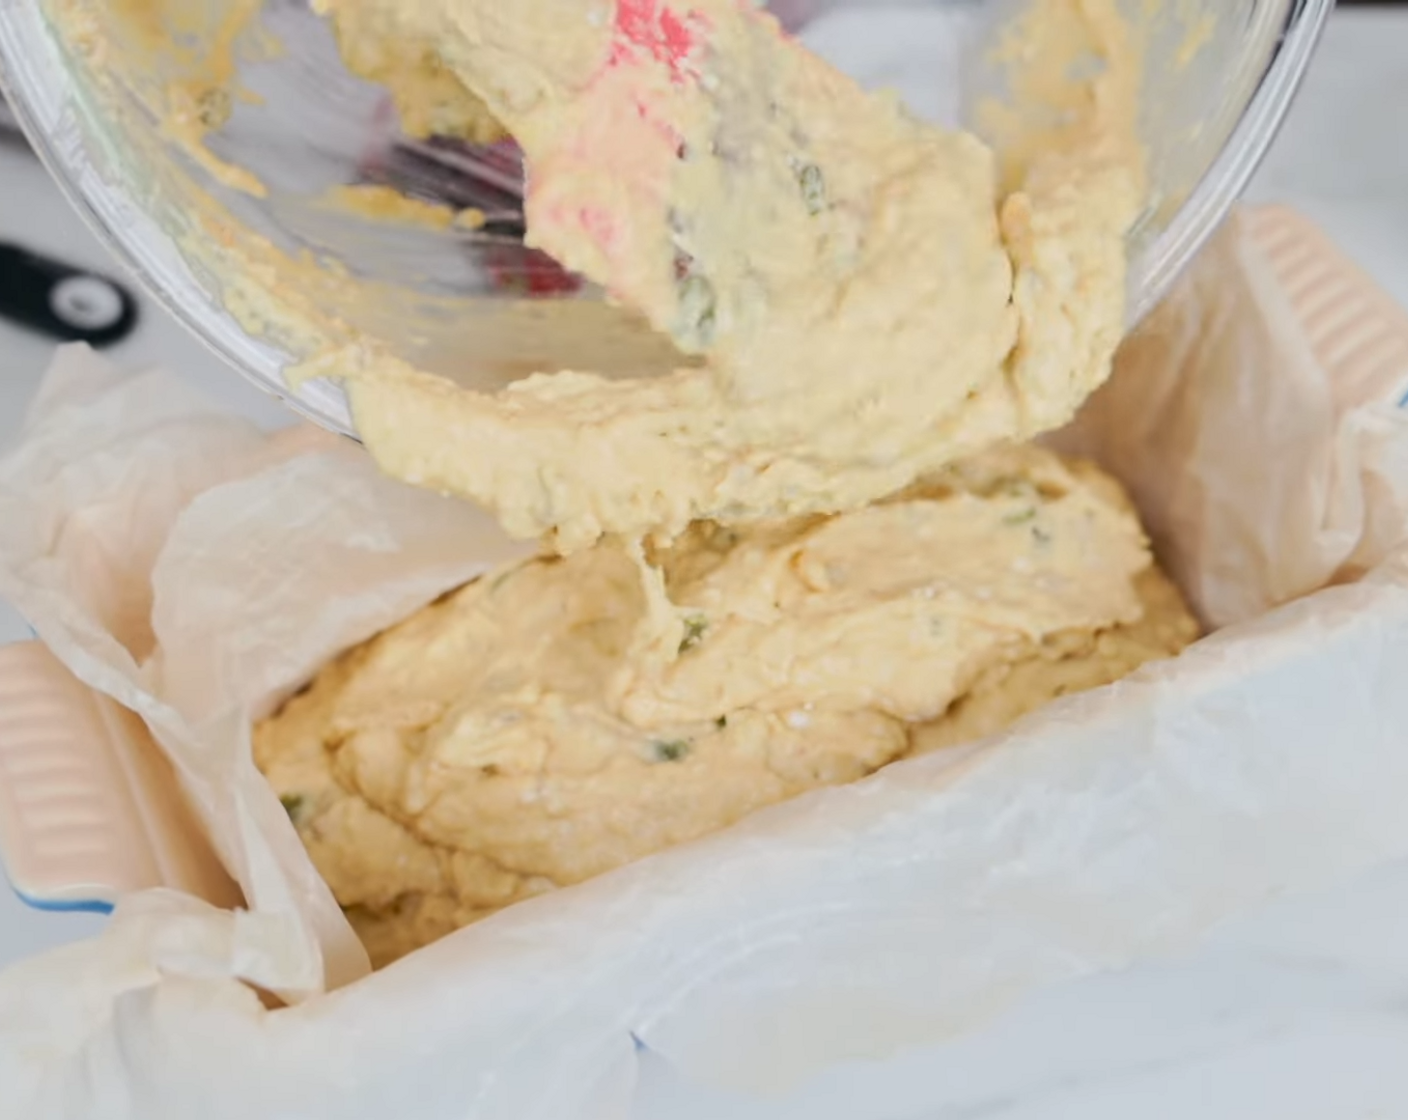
(1154, 272)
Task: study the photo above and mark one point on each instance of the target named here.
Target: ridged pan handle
(89, 807)
(1357, 332)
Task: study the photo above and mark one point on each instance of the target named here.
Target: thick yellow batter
(559, 718)
(430, 99)
(875, 297)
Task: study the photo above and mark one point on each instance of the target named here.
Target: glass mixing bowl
(224, 197)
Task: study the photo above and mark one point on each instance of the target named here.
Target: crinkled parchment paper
(198, 571)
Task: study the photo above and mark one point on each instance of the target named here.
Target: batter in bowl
(873, 297)
(561, 717)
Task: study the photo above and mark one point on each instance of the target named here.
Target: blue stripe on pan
(53, 906)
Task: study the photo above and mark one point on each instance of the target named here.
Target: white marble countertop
(1299, 1012)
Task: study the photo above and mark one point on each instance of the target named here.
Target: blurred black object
(61, 301)
(10, 128)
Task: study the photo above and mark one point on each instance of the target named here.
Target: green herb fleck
(1040, 535)
(1021, 517)
(671, 750)
(1021, 488)
(698, 307)
(213, 107)
(813, 186)
(721, 722)
(694, 628)
(293, 806)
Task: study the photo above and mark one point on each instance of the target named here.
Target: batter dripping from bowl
(819, 550)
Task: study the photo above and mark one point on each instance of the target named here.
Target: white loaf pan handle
(89, 807)
(1357, 332)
